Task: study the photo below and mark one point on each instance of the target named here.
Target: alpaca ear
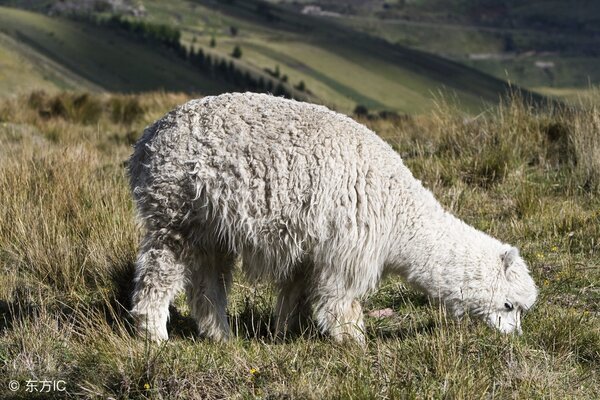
(509, 257)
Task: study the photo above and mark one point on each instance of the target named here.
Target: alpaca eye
(508, 306)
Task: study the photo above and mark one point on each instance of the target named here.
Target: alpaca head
(514, 293)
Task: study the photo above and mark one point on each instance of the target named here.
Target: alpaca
(310, 200)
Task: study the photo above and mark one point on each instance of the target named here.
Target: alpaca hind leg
(292, 310)
(159, 276)
(209, 282)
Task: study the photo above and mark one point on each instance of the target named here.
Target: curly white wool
(312, 201)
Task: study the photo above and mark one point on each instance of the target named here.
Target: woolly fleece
(310, 200)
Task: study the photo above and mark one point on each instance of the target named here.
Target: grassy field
(340, 66)
(514, 34)
(351, 63)
(68, 242)
(586, 97)
(22, 71)
(106, 59)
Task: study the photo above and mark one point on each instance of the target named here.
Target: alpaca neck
(440, 254)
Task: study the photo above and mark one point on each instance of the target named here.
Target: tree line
(217, 67)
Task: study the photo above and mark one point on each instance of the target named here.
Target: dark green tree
(237, 52)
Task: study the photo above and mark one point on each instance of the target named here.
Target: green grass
(23, 71)
(108, 60)
(401, 78)
(574, 95)
(451, 40)
(340, 66)
(68, 241)
(453, 35)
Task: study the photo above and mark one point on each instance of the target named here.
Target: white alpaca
(312, 201)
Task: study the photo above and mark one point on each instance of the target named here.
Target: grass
(452, 35)
(340, 66)
(379, 68)
(68, 241)
(106, 59)
(24, 71)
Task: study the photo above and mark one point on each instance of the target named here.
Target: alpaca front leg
(158, 277)
(341, 317)
(207, 289)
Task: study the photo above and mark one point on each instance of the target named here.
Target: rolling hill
(541, 45)
(98, 58)
(339, 66)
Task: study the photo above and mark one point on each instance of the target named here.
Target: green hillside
(23, 70)
(106, 59)
(339, 66)
(537, 44)
(572, 15)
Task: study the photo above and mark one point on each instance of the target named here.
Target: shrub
(237, 52)
(361, 110)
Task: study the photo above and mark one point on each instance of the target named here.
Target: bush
(237, 52)
(361, 110)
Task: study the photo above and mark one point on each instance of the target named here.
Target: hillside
(337, 63)
(77, 91)
(339, 66)
(538, 44)
(96, 57)
(23, 69)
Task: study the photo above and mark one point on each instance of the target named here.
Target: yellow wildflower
(146, 386)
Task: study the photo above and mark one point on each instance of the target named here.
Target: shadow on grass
(108, 300)
(116, 307)
(380, 332)
(400, 326)
(253, 322)
(6, 315)
(257, 323)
